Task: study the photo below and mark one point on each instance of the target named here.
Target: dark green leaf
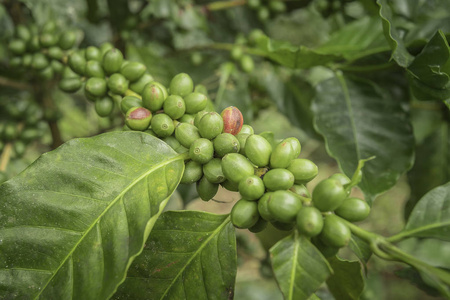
(299, 267)
(189, 255)
(347, 282)
(431, 251)
(393, 35)
(431, 167)
(74, 220)
(413, 276)
(430, 65)
(360, 248)
(360, 120)
(357, 39)
(430, 217)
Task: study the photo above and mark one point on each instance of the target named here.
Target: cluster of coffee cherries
(21, 122)
(265, 8)
(42, 50)
(104, 74)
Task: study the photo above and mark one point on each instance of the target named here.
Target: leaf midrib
(197, 252)
(294, 265)
(113, 202)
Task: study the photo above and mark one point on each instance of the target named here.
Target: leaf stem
(5, 157)
(14, 84)
(219, 5)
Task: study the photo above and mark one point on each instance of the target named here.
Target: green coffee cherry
(198, 117)
(195, 102)
(301, 190)
(48, 40)
(67, 40)
(153, 97)
(196, 58)
(69, 73)
(192, 172)
(353, 210)
(57, 66)
(263, 207)
(247, 129)
(247, 63)
(112, 61)
(242, 139)
(258, 150)
(206, 190)
(226, 143)
(182, 149)
(78, 63)
(30, 134)
(309, 221)
(259, 226)
(201, 151)
(129, 102)
(33, 44)
(236, 167)
(277, 6)
(27, 59)
(200, 88)
(187, 118)
(96, 87)
(17, 47)
(236, 52)
(170, 140)
(104, 106)
(254, 4)
(304, 170)
(94, 69)
(342, 178)
(174, 106)
(212, 170)
(118, 84)
(46, 73)
(210, 125)
(133, 70)
(283, 226)
(252, 187)
(93, 53)
(335, 232)
(263, 13)
(284, 206)
(181, 85)
(282, 155)
(22, 32)
(138, 86)
(39, 61)
(15, 62)
(328, 195)
(186, 134)
(138, 118)
(105, 47)
(162, 125)
(278, 179)
(231, 186)
(10, 131)
(19, 148)
(244, 214)
(295, 144)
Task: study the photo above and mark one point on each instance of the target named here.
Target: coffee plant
(139, 103)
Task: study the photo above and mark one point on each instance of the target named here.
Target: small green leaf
(360, 120)
(361, 249)
(347, 282)
(299, 267)
(356, 177)
(73, 221)
(189, 255)
(430, 218)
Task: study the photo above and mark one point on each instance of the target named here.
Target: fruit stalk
(14, 84)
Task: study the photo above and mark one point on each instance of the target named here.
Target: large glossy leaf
(189, 255)
(299, 267)
(360, 120)
(347, 282)
(430, 218)
(71, 224)
(393, 35)
(432, 165)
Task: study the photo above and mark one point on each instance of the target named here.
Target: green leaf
(360, 120)
(72, 222)
(430, 218)
(429, 66)
(414, 277)
(291, 56)
(347, 282)
(360, 248)
(433, 159)
(299, 267)
(356, 177)
(431, 251)
(357, 39)
(393, 35)
(189, 255)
